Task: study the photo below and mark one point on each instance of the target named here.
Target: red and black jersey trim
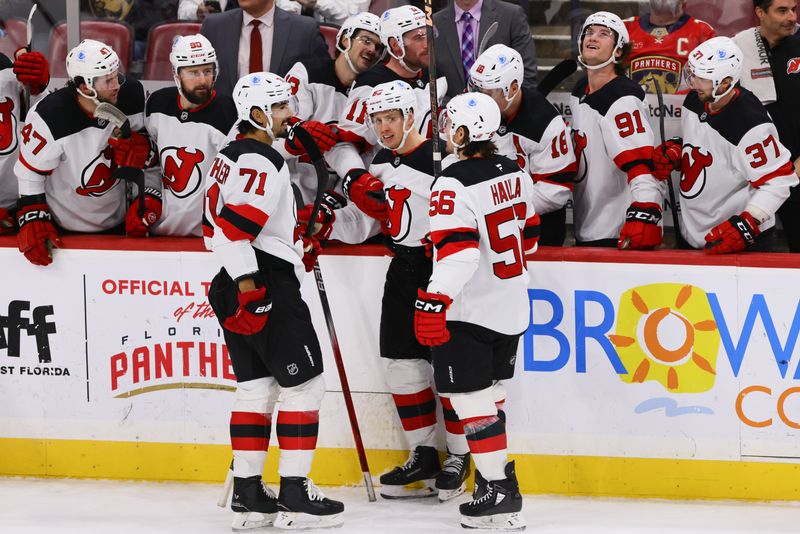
(449, 242)
(241, 221)
(635, 162)
(786, 169)
(564, 177)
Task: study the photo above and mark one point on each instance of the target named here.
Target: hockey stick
(490, 31)
(113, 115)
(661, 111)
(437, 151)
(557, 75)
(227, 487)
(29, 38)
(322, 185)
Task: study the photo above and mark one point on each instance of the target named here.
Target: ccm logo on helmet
(432, 307)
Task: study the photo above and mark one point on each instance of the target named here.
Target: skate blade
(415, 490)
(512, 522)
(446, 495)
(250, 521)
(300, 521)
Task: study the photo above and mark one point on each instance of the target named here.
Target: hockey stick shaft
(662, 109)
(29, 40)
(321, 168)
(557, 75)
(348, 398)
(433, 90)
(490, 31)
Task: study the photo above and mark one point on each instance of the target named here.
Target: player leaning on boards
(321, 87)
(28, 71)
(249, 224)
(403, 174)
(532, 133)
(735, 173)
(188, 123)
(475, 307)
(617, 198)
(67, 156)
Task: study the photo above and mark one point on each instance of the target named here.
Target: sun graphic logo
(667, 333)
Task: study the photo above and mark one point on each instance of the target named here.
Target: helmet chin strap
(92, 97)
(268, 128)
(611, 59)
(402, 139)
(716, 98)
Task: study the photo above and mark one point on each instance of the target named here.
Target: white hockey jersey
(613, 144)
(64, 153)
(482, 225)
(407, 183)
(731, 159)
(10, 90)
(538, 139)
(249, 203)
(187, 142)
(354, 118)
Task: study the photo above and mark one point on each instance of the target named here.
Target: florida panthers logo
(181, 170)
(694, 165)
(399, 212)
(8, 127)
(579, 141)
(96, 178)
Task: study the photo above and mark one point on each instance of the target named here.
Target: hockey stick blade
(26, 95)
(318, 160)
(115, 116)
(557, 75)
(490, 31)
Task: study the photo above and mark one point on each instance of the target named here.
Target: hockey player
(404, 34)
(28, 69)
(188, 123)
(475, 307)
(67, 156)
(321, 87)
(532, 133)
(403, 170)
(617, 198)
(661, 40)
(735, 173)
(249, 224)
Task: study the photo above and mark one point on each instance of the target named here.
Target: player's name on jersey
(506, 190)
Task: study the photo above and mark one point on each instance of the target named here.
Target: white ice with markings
(62, 506)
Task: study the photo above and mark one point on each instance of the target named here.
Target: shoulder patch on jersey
(607, 96)
(220, 113)
(62, 114)
(131, 97)
(235, 149)
(476, 170)
(534, 115)
(743, 114)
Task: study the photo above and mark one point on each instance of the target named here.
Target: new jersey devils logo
(579, 141)
(96, 178)
(694, 165)
(8, 127)
(793, 66)
(181, 170)
(399, 212)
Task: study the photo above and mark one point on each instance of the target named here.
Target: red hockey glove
(37, 234)
(366, 192)
(667, 158)
(7, 224)
(427, 242)
(733, 235)
(311, 249)
(323, 226)
(31, 69)
(252, 313)
(136, 226)
(641, 230)
(133, 151)
(430, 318)
(323, 135)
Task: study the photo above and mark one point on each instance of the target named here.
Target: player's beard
(666, 7)
(199, 96)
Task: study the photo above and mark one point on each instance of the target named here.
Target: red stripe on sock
(420, 397)
(250, 418)
(249, 444)
(493, 444)
(454, 427)
(298, 418)
(420, 421)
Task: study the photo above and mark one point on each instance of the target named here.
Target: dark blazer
(512, 30)
(223, 30)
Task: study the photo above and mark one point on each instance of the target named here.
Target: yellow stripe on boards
(564, 475)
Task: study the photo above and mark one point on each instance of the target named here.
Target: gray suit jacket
(223, 30)
(512, 30)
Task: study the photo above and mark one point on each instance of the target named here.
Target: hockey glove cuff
(641, 230)
(733, 235)
(137, 226)
(37, 235)
(252, 313)
(430, 318)
(366, 192)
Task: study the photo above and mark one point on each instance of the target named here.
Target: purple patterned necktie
(467, 44)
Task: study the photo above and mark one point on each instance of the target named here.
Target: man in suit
(254, 23)
(461, 26)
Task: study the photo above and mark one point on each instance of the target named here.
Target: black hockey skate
(452, 479)
(415, 478)
(499, 508)
(480, 486)
(254, 503)
(303, 505)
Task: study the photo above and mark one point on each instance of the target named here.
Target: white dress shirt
(266, 40)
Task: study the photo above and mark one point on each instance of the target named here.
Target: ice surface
(59, 506)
